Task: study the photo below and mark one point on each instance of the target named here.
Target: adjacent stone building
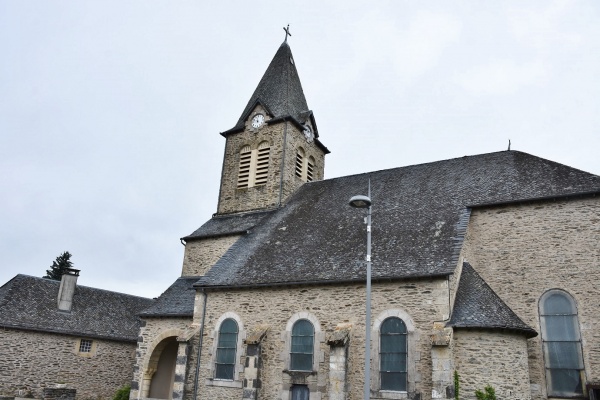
(483, 265)
(58, 334)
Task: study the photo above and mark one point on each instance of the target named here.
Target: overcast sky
(110, 111)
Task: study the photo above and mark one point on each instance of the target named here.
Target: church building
(484, 271)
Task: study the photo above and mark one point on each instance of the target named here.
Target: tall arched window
(301, 354)
(562, 344)
(254, 165)
(392, 354)
(226, 350)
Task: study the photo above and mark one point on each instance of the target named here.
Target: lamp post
(361, 201)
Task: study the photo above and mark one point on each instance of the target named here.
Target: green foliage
(59, 266)
(123, 393)
(489, 394)
(456, 385)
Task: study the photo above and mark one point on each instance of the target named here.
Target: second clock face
(258, 120)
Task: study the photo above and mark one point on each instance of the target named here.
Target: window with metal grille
(300, 392)
(262, 164)
(392, 354)
(85, 345)
(244, 170)
(226, 349)
(300, 162)
(310, 168)
(301, 354)
(561, 344)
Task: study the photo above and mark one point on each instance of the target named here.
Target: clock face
(308, 133)
(258, 120)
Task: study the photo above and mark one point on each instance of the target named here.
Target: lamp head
(360, 201)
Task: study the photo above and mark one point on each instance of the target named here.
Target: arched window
(299, 162)
(562, 344)
(226, 350)
(310, 169)
(302, 348)
(393, 354)
(244, 169)
(262, 164)
(254, 166)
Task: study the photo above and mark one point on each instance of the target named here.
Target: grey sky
(110, 111)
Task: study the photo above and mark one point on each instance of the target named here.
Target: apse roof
(30, 303)
(478, 306)
(419, 217)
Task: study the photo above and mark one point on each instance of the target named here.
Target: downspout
(282, 162)
(200, 347)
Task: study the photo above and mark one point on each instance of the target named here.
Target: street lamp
(361, 201)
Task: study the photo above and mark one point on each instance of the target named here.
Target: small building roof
(419, 218)
(477, 306)
(30, 303)
(176, 301)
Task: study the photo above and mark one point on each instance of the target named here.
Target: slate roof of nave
(279, 91)
(418, 221)
(478, 306)
(30, 303)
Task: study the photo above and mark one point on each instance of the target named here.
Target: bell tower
(274, 148)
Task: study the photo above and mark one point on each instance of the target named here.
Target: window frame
(221, 347)
(292, 352)
(546, 351)
(239, 354)
(253, 165)
(412, 354)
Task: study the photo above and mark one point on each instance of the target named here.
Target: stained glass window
(392, 354)
(226, 349)
(303, 338)
(562, 344)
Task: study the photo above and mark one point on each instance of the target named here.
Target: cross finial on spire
(287, 32)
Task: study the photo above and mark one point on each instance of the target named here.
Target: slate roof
(228, 225)
(176, 301)
(280, 93)
(419, 217)
(478, 306)
(30, 303)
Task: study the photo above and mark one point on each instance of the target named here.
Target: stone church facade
(483, 265)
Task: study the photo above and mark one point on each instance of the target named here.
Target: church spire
(279, 91)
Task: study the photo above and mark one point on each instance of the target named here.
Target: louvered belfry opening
(299, 162)
(310, 169)
(262, 164)
(254, 166)
(244, 171)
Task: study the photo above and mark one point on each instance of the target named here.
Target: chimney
(68, 283)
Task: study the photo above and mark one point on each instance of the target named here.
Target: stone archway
(160, 372)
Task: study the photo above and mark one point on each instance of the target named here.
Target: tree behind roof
(59, 266)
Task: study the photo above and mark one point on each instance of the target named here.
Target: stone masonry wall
(492, 358)
(425, 301)
(524, 250)
(32, 361)
(264, 196)
(153, 331)
(200, 255)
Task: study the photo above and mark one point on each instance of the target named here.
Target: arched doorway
(164, 358)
